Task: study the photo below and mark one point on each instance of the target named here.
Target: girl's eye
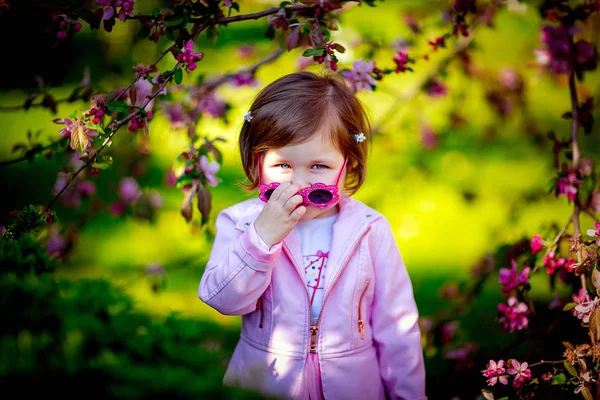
(287, 166)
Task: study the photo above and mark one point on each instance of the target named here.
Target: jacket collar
(352, 222)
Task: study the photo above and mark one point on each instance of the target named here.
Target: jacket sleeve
(239, 268)
(394, 320)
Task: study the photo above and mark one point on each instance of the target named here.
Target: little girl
(327, 303)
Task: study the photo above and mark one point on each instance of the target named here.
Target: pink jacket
(367, 338)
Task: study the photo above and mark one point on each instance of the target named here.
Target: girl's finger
(298, 213)
(288, 192)
(293, 202)
(278, 190)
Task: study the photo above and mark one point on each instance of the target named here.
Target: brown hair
(292, 109)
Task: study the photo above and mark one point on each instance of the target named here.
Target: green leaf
(175, 20)
(569, 306)
(117, 106)
(313, 52)
(178, 76)
(184, 180)
(100, 165)
(587, 395)
(270, 32)
(156, 13)
(570, 368)
(559, 379)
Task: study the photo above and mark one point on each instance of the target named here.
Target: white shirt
(315, 239)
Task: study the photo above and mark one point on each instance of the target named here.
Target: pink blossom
(556, 40)
(56, 243)
(155, 199)
(448, 331)
(209, 170)
(511, 279)
(510, 79)
(461, 353)
(542, 57)
(78, 131)
(584, 305)
(246, 51)
(211, 105)
(585, 55)
(400, 44)
(495, 372)
(429, 139)
(227, 3)
(140, 122)
(514, 315)
(244, 80)
(123, 8)
(596, 232)
(521, 372)
(536, 244)
(143, 90)
(72, 195)
(585, 378)
(176, 114)
(557, 303)
(595, 201)
(129, 190)
(551, 262)
(117, 208)
(141, 71)
(187, 57)
(557, 56)
(279, 19)
(436, 88)
(586, 166)
(439, 41)
(568, 185)
(412, 22)
(360, 77)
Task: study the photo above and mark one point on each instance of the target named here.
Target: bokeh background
(457, 174)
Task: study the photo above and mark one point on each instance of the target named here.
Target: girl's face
(316, 160)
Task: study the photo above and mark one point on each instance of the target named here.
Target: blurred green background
(484, 184)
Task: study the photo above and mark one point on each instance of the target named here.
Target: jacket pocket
(259, 305)
(361, 323)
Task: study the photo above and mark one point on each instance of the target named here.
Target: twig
(119, 124)
(248, 70)
(588, 212)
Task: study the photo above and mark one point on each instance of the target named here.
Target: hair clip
(360, 137)
(248, 116)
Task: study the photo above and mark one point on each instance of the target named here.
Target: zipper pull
(313, 339)
(260, 306)
(361, 328)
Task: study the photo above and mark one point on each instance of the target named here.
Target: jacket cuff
(255, 252)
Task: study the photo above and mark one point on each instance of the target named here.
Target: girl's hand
(280, 214)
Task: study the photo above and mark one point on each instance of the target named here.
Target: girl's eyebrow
(316, 161)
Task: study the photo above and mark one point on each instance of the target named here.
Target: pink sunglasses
(317, 195)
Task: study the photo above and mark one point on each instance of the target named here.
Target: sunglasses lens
(320, 196)
(268, 193)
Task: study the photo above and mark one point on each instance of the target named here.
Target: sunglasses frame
(304, 192)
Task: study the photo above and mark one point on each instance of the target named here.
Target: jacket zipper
(315, 328)
(260, 305)
(361, 325)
